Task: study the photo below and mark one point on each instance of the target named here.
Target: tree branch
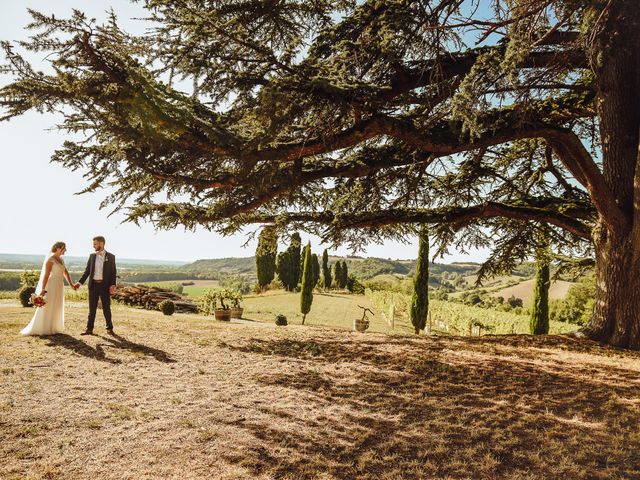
(578, 161)
(455, 216)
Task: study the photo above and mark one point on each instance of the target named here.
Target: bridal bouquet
(37, 300)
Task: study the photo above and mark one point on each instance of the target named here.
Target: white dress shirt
(98, 270)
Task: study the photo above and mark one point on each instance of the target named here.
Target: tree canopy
(356, 121)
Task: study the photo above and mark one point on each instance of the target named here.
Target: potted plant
(236, 301)
(223, 312)
(208, 302)
(362, 324)
(213, 303)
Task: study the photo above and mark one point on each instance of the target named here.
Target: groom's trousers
(99, 291)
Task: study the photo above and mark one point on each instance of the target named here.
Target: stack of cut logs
(149, 298)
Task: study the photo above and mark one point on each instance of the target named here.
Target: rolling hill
(524, 290)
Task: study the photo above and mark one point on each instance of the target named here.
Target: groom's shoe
(87, 332)
(110, 332)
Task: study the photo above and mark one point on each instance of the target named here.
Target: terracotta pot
(236, 312)
(222, 314)
(360, 325)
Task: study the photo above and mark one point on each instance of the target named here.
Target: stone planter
(222, 314)
(236, 312)
(360, 325)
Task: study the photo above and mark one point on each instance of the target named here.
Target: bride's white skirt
(49, 319)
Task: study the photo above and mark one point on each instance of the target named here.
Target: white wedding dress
(49, 319)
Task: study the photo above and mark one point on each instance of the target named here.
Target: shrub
(276, 284)
(10, 281)
(29, 278)
(281, 320)
(440, 294)
(577, 306)
(235, 298)
(208, 301)
(514, 301)
(354, 285)
(218, 298)
(167, 307)
(237, 283)
(24, 294)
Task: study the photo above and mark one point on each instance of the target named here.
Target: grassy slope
(338, 311)
(186, 397)
(328, 309)
(192, 291)
(524, 290)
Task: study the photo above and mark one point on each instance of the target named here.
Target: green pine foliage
(306, 293)
(345, 275)
(283, 268)
(296, 264)
(337, 274)
(288, 264)
(539, 323)
(316, 269)
(266, 254)
(326, 271)
(420, 298)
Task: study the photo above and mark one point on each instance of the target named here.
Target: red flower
(37, 301)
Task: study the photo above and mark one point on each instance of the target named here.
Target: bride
(49, 319)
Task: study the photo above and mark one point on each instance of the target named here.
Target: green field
(339, 310)
(191, 291)
(328, 309)
(450, 318)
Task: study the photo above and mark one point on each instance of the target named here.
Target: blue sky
(37, 198)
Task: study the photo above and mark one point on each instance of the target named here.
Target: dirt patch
(184, 397)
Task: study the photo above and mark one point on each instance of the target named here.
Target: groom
(101, 272)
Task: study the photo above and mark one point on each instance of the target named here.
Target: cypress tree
(284, 269)
(539, 323)
(266, 256)
(306, 293)
(345, 274)
(420, 298)
(326, 271)
(316, 269)
(337, 274)
(296, 270)
(289, 269)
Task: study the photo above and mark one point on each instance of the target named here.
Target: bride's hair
(57, 245)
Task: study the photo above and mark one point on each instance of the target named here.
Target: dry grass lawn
(187, 397)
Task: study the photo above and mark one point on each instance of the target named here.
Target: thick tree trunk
(616, 315)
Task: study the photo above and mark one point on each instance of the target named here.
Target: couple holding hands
(101, 275)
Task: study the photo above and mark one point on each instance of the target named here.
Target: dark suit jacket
(108, 272)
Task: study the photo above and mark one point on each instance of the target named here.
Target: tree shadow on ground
(118, 341)
(441, 408)
(78, 346)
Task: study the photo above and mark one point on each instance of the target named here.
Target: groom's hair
(100, 238)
